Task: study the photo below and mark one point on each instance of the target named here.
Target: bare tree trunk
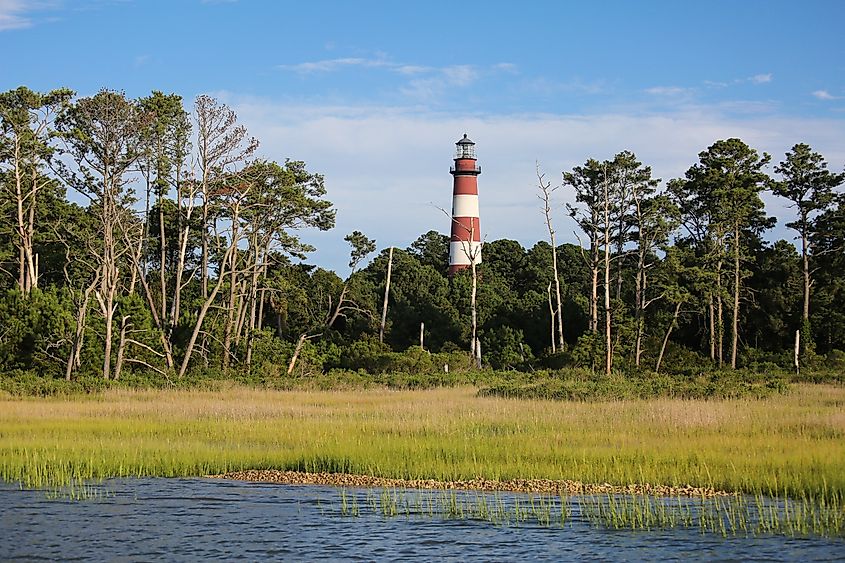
(302, 338)
(608, 363)
(253, 305)
(29, 252)
(546, 191)
(184, 234)
(163, 259)
(233, 286)
(712, 317)
(121, 347)
(666, 336)
(720, 321)
(639, 312)
(805, 262)
(594, 299)
(552, 315)
(720, 330)
(109, 280)
(386, 295)
(73, 359)
(296, 351)
(473, 306)
(189, 349)
(243, 296)
(737, 281)
(422, 336)
(25, 209)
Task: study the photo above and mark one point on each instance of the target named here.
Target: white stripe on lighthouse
(461, 251)
(465, 206)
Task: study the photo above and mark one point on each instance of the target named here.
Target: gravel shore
(545, 486)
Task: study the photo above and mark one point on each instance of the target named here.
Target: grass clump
(575, 385)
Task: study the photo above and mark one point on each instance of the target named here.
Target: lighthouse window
(466, 151)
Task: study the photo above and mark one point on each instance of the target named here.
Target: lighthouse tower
(465, 244)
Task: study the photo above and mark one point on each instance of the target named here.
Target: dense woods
(145, 238)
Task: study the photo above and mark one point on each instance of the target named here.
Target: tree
(827, 318)
(809, 187)
(729, 179)
(103, 136)
(27, 121)
(221, 143)
(656, 218)
(282, 199)
(166, 147)
(586, 181)
(361, 247)
(432, 249)
(546, 191)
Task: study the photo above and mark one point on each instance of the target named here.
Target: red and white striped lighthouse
(465, 244)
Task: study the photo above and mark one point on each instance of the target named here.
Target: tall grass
(785, 445)
(732, 515)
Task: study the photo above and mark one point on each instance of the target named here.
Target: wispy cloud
(424, 83)
(825, 95)
(14, 14)
(507, 67)
(329, 65)
(761, 78)
(426, 89)
(668, 91)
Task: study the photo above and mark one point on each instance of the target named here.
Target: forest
(184, 258)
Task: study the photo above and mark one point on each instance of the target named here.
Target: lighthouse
(465, 244)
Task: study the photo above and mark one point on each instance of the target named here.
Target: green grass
(733, 515)
(785, 445)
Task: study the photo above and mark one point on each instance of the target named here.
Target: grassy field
(787, 444)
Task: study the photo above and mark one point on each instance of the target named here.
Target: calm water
(203, 519)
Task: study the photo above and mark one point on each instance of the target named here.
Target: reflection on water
(204, 519)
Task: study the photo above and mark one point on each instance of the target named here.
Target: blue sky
(374, 94)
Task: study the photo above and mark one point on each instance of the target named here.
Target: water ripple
(213, 520)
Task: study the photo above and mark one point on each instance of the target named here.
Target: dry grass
(786, 444)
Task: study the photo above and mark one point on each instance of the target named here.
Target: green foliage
(34, 331)
(582, 385)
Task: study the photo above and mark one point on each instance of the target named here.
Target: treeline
(185, 258)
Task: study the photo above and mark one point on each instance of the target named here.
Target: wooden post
(386, 293)
(797, 348)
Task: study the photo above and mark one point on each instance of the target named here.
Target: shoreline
(544, 486)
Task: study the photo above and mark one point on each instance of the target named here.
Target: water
(215, 520)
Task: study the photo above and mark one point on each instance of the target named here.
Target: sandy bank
(545, 486)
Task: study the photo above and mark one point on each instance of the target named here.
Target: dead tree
(545, 196)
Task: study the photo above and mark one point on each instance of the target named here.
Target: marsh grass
(78, 490)
(781, 446)
(495, 508)
(732, 515)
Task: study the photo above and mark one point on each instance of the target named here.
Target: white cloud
(761, 78)
(13, 14)
(329, 65)
(825, 95)
(460, 75)
(507, 67)
(387, 168)
(668, 90)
